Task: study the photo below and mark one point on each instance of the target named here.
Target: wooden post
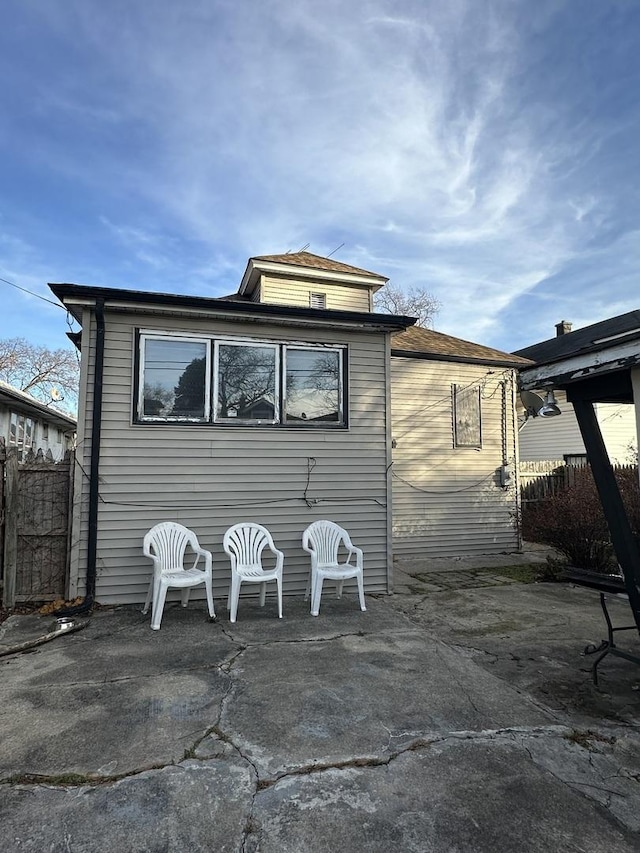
(614, 511)
(11, 528)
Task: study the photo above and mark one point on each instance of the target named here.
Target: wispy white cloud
(451, 145)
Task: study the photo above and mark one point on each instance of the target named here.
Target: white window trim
(146, 336)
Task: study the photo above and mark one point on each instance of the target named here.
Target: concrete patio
(459, 720)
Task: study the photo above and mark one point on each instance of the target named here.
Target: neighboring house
(599, 364)
(27, 424)
(275, 405)
(559, 438)
(455, 446)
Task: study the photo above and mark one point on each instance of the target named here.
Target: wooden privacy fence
(35, 524)
(542, 479)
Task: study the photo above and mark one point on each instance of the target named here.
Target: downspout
(94, 497)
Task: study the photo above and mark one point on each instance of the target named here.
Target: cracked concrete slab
(533, 637)
(194, 806)
(360, 696)
(482, 795)
(461, 721)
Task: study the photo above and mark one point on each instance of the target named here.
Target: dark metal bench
(606, 586)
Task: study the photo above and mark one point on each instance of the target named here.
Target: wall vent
(318, 300)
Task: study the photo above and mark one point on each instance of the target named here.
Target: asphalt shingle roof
(306, 259)
(592, 338)
(438, 345)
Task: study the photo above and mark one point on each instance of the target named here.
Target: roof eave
(459, 359)
(256, 268)
(33, 406)
(580, 366)
(78, 297)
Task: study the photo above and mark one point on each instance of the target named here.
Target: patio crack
(589, 790)
(418, 745)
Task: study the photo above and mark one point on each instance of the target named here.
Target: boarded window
(467, 419)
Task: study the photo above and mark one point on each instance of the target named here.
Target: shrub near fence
(35, 527)
(569, 516)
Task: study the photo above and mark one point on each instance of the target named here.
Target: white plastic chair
(166, 544)
(322, 540)
(244, 543)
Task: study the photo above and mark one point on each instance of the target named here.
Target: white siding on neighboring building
(556, 438)
(44, 436)
(618, 425)
(449, 500)
(341, 297)
(209, 477)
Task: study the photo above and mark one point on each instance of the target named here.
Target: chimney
(563, 328)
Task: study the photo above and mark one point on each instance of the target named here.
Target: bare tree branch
(37, 369)
(413, 302)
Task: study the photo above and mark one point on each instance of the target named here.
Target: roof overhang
(575, 368)
(603, 376)
(26, 404)
(256, 268)
(77, 298)
(459, 359)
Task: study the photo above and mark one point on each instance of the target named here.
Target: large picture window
(202, 380)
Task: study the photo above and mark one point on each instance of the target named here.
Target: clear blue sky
(485, 149)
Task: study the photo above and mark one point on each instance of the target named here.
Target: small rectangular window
(13, 430)
(575, 459)
(174, 379)
(467, 420)
(28, 433)
(246, 382)
(21, 432)
(313, 391)
(318, 300)
(45, 432)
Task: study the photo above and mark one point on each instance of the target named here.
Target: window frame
(213, 343)
(215, 419)
(341, 350)
(143, 337)
(22, 430)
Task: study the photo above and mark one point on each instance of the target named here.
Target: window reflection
(313, 385)
(174, 378)
(246, 380)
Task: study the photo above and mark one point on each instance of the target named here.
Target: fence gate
(37, 498)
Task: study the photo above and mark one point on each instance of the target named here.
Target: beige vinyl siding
(618, 424)
(447, 500)
(341, 297)
(209, 477)
(555, 438)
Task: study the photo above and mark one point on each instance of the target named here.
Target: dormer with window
(309, 281)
